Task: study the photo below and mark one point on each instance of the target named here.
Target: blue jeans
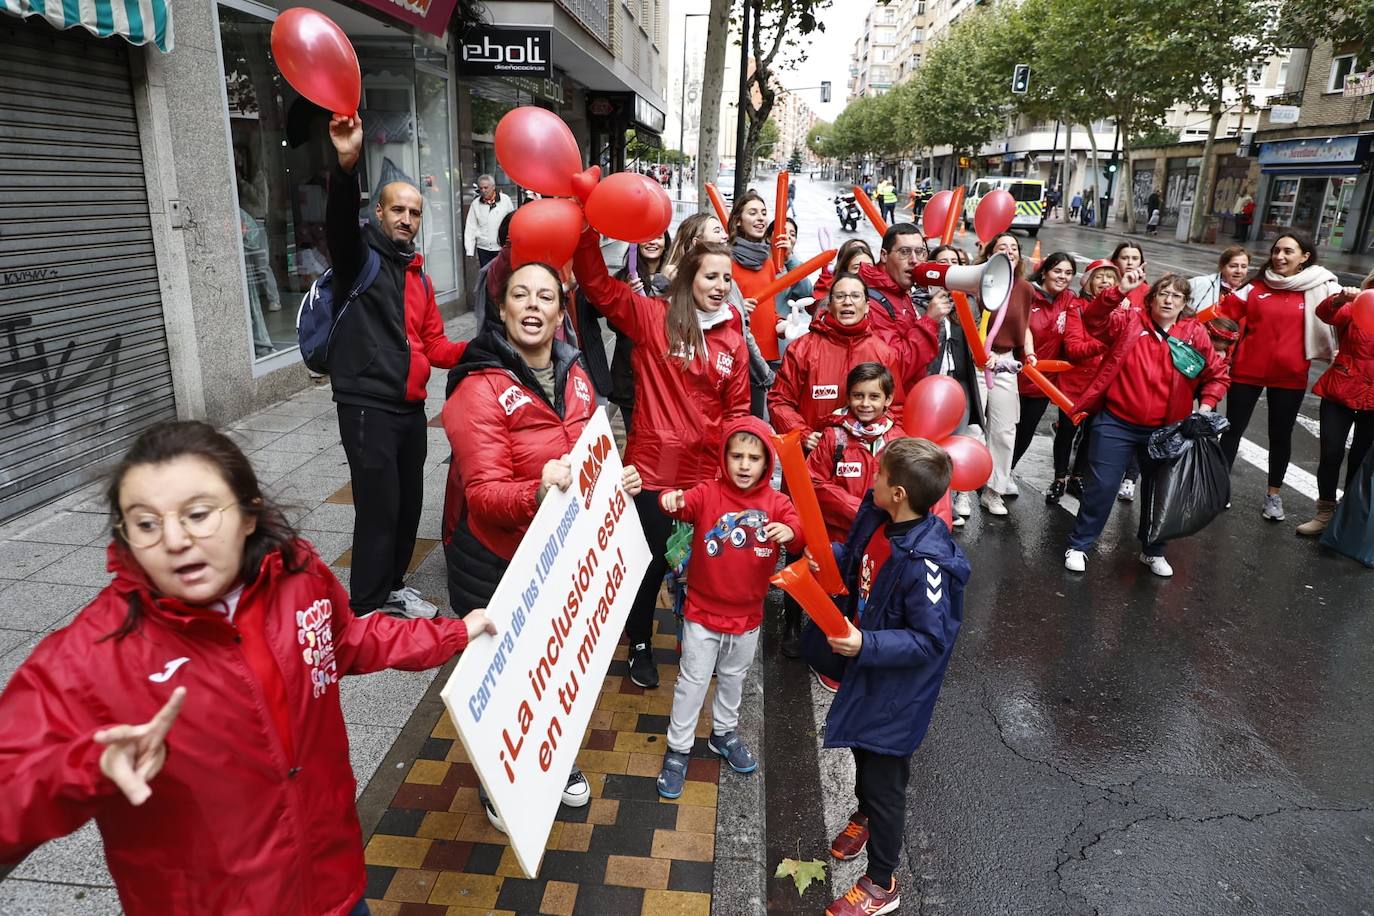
(360, 909)
(1113, 446)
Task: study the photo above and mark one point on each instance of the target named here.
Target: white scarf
(1315, 283)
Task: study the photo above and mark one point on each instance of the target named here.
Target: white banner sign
(521, 700)
(1284, 114)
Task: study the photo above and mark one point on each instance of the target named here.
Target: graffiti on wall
(33, 379)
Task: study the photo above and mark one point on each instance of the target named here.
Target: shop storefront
(1319, 186)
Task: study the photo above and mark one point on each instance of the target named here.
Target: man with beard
(379, 359)
(892, 312)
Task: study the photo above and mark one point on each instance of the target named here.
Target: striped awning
(138, 21)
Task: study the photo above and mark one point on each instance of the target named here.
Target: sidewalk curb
(740, 885)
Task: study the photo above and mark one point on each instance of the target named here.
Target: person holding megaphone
(1010, 345)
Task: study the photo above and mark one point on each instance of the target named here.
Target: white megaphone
(990, 282)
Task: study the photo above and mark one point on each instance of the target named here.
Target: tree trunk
(1066, 173)
(1097, 175)
(1206, 179)
(1125, 126)
(713, 73)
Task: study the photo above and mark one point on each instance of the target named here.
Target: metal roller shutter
(83, 350)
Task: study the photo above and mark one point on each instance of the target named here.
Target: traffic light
(825, 91)
(1111, 165)
(1020, 79)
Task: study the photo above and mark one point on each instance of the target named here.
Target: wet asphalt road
(1112, 743)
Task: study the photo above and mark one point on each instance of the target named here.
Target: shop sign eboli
(506, 51)
(429, 15)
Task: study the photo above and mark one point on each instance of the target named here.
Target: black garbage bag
(1189, 491)
(816, 651)
(1351, 531)
(1176, 438)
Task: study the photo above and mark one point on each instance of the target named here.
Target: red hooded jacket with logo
(1047, 322)
(810, 385)
(1271, 352)
(680, 413)
(1350, 379)
(915, 339)
(843, 466)
(253, 811)
(731, 563)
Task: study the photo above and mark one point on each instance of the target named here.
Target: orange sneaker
(850, 841)
(866, 899)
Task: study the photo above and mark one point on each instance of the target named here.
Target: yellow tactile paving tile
(396, 851)
(428, 772)
(559, 899)
(675, 903)
(462, 889)
(637, 871)
(691, 847)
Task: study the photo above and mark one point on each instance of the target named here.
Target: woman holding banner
(691, 371)
(517, 402)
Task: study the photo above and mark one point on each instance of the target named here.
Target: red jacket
(1137, 380)
(1047, 322)
(821, 288)
(843, 466)
(915, 340)
(731, 564)
(1081, 349)
(764, 319)
(810, 385)
(503, 430)
(1350, 379)
(1136, 297)
(680, 414)
(1271, 351)
(253, 811)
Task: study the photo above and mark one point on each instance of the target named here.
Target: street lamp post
(682, 103)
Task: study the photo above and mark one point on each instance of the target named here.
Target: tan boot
(1325, 509)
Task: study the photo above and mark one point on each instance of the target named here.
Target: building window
(1282, 84)
(283, 157)
(1341, 67)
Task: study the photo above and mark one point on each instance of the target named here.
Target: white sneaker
(1075, 560)
(1158, 565)
(1126, 492)
(491, 813)
(959, 520)
(411, 603)
(962, 504)
(577, 793)
(992, 502)
(1273, 507)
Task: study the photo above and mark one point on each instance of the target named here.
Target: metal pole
(1111, 180)
(682, 109)
(741, 174)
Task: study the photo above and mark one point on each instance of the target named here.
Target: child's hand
(778, 533)
(1132, 278)
(672, 501)
(813, 439)
(134, 754)
(849, 644)
(557, 473)
(477, 622)
(811, 561)
(630, 480)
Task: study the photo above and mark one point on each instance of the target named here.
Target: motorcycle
(847, 209)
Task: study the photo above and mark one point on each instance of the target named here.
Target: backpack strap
(372, 265)
(883, 301)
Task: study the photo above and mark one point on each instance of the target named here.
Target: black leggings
(1336, 420)
(1032, 410)
(1284, 404)
(657, 526)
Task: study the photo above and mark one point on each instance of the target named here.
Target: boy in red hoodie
(739, 523)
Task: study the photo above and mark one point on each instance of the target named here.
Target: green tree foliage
(1349, 24)
(795, 163)
(818, 139)
(767, 140)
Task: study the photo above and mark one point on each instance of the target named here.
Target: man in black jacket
(379, 365)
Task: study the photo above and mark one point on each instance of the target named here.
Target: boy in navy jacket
(906, 580)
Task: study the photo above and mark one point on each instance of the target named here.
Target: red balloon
(994, 214)
(934, 407)
(629, 207)
(584, 182)
(1362, 311)
(538, 150)
(935, 213)
(972, 462)
(944, 509)
(317, 59)
(545, 231)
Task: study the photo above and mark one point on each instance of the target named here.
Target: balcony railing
(594, 15)
(1287, 98)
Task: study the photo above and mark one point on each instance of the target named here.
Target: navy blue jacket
(909, 625)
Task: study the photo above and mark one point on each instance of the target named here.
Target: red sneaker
(866, 899)
(829, 683)
(850, 841)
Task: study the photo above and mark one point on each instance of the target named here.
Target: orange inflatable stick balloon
(1053, 393)
(790, 278)
(953, 215)
(1208, 313)
(716, 202)
(798, 582)
(803, 496)
(866, 205)
(780, 223)
(975, 339)
(1054, 365)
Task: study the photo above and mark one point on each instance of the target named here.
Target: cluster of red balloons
(993, 215)
(934, 408)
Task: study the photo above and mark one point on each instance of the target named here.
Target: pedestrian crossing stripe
(1030, 208)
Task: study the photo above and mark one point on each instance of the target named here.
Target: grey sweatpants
(703, 651)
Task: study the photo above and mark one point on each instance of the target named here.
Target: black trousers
(1284, 404)
(880, 786)
(386, 459)
(1032, 411)
(1336, 420)
(657, 526)
(485, 257)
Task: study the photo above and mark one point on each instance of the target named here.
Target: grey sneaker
(411, 603)
(1273, 507)
(734, 751)
(673, 775)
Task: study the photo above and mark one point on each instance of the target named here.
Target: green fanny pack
(1186, 358)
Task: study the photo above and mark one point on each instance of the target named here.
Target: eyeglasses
(144, 529)
(911, 253)
(847, 297)
(1170, 295)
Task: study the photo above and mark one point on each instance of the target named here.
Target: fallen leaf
(801, 873)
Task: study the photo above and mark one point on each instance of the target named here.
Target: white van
(1029, 194)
